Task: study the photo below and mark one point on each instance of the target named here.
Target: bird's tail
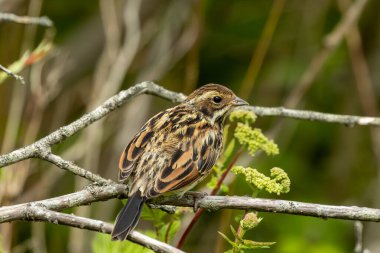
(128, 217)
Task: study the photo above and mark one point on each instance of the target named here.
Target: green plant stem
(168, 231)
(240, 234)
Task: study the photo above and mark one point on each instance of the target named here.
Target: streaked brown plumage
(173, 151)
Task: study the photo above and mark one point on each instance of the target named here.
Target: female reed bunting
(173, 151)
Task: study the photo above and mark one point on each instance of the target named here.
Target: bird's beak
(239, 102)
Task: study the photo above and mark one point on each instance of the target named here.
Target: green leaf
(249, 244)
(233, 244)
(234, 233)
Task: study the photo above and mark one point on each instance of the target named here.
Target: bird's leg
(196, 197)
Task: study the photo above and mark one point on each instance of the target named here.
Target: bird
(173, 151)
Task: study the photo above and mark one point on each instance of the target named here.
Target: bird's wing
(188, 163)
(139, 144)
(132, 152)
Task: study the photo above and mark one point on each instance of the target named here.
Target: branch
(35, 149)
(348, 120)
(92, 193)
(96, 193)
(42, 145)
(10, 17)
(213, 203)
(72, 167)
(38, 213)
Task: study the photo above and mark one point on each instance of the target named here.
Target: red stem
(198, 214)
(221, 179)
(189, 228)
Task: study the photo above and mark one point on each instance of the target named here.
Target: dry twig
(10, 17)
(11, 74)
(38, 213)
(96, 193)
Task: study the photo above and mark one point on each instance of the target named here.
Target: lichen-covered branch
(92, 193)
(150, 88)
(42, 145)
(347, 120)
(214, 203)
(39, 213)
(95, 193)
(72, 167)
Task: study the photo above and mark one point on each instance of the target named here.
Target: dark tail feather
(128, 217)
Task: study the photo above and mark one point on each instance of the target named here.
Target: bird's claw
(197, 196)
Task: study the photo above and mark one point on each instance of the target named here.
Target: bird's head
(214, 101)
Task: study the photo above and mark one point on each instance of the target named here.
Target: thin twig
(11, 74)
(72, 167)
(10, 17)
(347, 120)
(38, 213)
(108, 106)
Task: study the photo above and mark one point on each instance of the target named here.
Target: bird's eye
(217, 99)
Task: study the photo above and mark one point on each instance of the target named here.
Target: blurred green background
(261, 49)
